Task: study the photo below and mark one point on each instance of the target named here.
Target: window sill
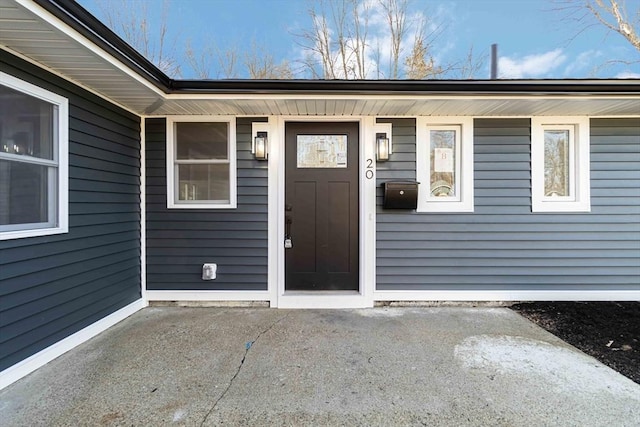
(439, 208)
(23, 234)
(560, 207)
(202, 205)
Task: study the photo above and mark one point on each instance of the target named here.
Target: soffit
(371, 105)
(32, 32)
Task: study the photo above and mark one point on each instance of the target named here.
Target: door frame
(367, 218)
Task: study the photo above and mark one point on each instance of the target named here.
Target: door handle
(288, 244)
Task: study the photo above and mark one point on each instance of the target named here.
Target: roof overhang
(64, 38)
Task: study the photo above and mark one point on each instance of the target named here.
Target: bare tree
(361, 16)
(326, 41)
(360, 39)
(347, 39)
(396, 14)
(211, 57)
(261, 65)
(470, 66)
(420, 63)
(228, 62)
(612, 14)
(130, 20)
(339, 44)
(201, 61)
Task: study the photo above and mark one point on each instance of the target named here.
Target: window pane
(201, 140)
(443, 161)
(322, 151)
(204, 182)
(556, 163)
(26, 124)
(24, 195)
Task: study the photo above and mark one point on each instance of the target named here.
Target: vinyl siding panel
(503, 245)
(179, 241)
(53, 286)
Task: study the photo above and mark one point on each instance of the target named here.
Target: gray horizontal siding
(53, 286)
(179, 241)
(503, 245)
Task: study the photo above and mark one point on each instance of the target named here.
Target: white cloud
(530, 66)
(628, 75)
(584, 64)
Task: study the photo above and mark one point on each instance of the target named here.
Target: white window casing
(457, 192)
(176, 199)
(574, 193)
(55, 165)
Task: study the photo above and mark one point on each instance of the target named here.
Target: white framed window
(560, 178)
(444, 164)
(201, 162)
(34, 141)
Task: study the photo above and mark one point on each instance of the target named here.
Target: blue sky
(533, 39)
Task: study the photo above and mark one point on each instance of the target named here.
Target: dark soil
(607, 331)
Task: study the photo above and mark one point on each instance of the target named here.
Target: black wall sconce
(383, 147)
(260, 146)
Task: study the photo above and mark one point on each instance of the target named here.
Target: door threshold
(322, 299)
(288, 293)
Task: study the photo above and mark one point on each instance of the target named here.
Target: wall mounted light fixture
(260, 146)
(383, 147)
(384, 141)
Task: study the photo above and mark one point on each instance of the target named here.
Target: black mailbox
(400, 194)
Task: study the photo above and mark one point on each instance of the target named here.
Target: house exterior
(120, 187)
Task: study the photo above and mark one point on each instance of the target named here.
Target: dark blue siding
(503, 245)
(179, 241)
(53, 286)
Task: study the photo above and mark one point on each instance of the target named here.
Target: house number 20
(369, 172)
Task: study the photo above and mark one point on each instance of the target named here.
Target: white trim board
(367, 218)
(508, 295)
(41, 358)
(143, 210)
(196, 295)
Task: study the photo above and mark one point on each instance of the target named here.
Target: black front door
(321, 206)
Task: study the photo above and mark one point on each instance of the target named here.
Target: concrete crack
(248, 346)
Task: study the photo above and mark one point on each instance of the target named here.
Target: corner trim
(41, 358)
(143, 210)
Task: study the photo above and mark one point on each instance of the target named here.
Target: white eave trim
(398, 96)
(69, 79)
(76, 36)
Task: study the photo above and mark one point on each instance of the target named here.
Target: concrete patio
(381, 366)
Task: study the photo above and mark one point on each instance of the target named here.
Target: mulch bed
(607, 331)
